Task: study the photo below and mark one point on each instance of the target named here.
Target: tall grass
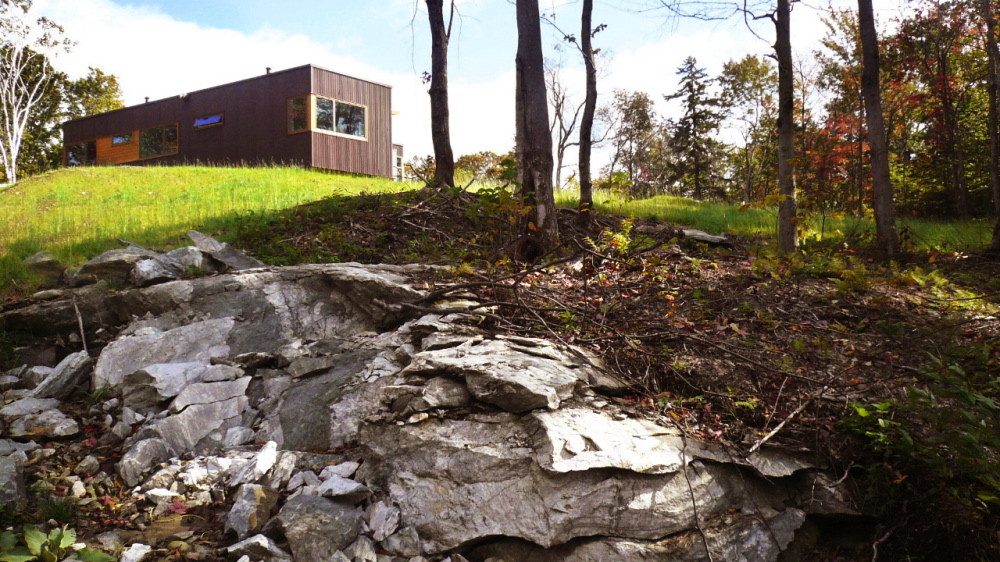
(75, 214)
(815, 229)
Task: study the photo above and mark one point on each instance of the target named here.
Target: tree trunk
(885, 208)
(533, 139)
(589, 107)
(444, 159)
(786, 128)
(993, 55)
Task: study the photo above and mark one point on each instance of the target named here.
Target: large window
(298, 114)
(158, 141)
(82, 154)
(340, 117)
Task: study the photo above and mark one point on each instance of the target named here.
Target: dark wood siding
(370, 156)
(255, 128)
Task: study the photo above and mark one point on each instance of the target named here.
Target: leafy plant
(55, 546)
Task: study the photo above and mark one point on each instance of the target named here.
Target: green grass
(815, 231)
(75, 214)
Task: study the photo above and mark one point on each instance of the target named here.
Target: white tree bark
(23, 42)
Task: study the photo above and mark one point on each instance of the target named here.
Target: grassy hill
(888, 373)
(75, 214)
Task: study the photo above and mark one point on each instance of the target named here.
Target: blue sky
(160, 48)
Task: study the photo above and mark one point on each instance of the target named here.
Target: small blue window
(124, 138)
(208, 121)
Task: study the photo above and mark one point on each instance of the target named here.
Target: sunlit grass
(815, 229)
(75, 214)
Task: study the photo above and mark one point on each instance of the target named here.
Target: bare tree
(534, 144)
(786, 126)
(587, 31)
(23, 43)
(885, 207)
(444, 158)
(564, 119)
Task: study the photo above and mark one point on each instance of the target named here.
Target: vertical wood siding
(255, 130)
(370, 156)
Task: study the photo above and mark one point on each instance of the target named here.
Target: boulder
(28, 405)
(12, 489)
(157, 269)
(513, 377)
(46, 267)
(318, 527)
(223, 252)
(49, 424)
(114, 265)
(251, 509)
(197, 342)
(258, 548)
(70, 373)
(151, 386)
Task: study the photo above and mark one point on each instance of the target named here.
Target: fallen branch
(775, 431)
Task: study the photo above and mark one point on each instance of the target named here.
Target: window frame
(308, 114)
(315, 114)
(130, 135)
(220, 114)
(67, 150)
(177, 140)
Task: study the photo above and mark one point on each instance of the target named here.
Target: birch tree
(24, 42)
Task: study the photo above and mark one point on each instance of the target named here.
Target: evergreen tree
(697, 153)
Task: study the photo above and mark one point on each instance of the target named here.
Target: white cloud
(158, 56)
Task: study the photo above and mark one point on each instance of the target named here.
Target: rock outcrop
(389, 435)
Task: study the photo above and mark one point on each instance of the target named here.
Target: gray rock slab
(344, 470)
(444, 392)
(158, 269)
(12, 490)
(317, 527)
(513, 377)
(252, 506)
(260, 464)
(70, 373)
(383, 519)
(578, 439)
(343, 489)
(115, 265)
(738, 538)
(223, 252)
(50, 424)
(193, 259)
(28, 405)
(457, 481)
(258, 548)
(142, 457)
(184, 431)
(195, 342)
(47, 267)
(209, 392)
(147, 388)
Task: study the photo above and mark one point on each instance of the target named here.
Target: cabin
(303, 116)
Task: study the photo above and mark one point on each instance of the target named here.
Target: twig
(79, 321)
(881, 540)
(775, 431)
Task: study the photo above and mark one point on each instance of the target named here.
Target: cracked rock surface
(332, 424)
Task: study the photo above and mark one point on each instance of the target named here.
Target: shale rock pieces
(337, 426)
